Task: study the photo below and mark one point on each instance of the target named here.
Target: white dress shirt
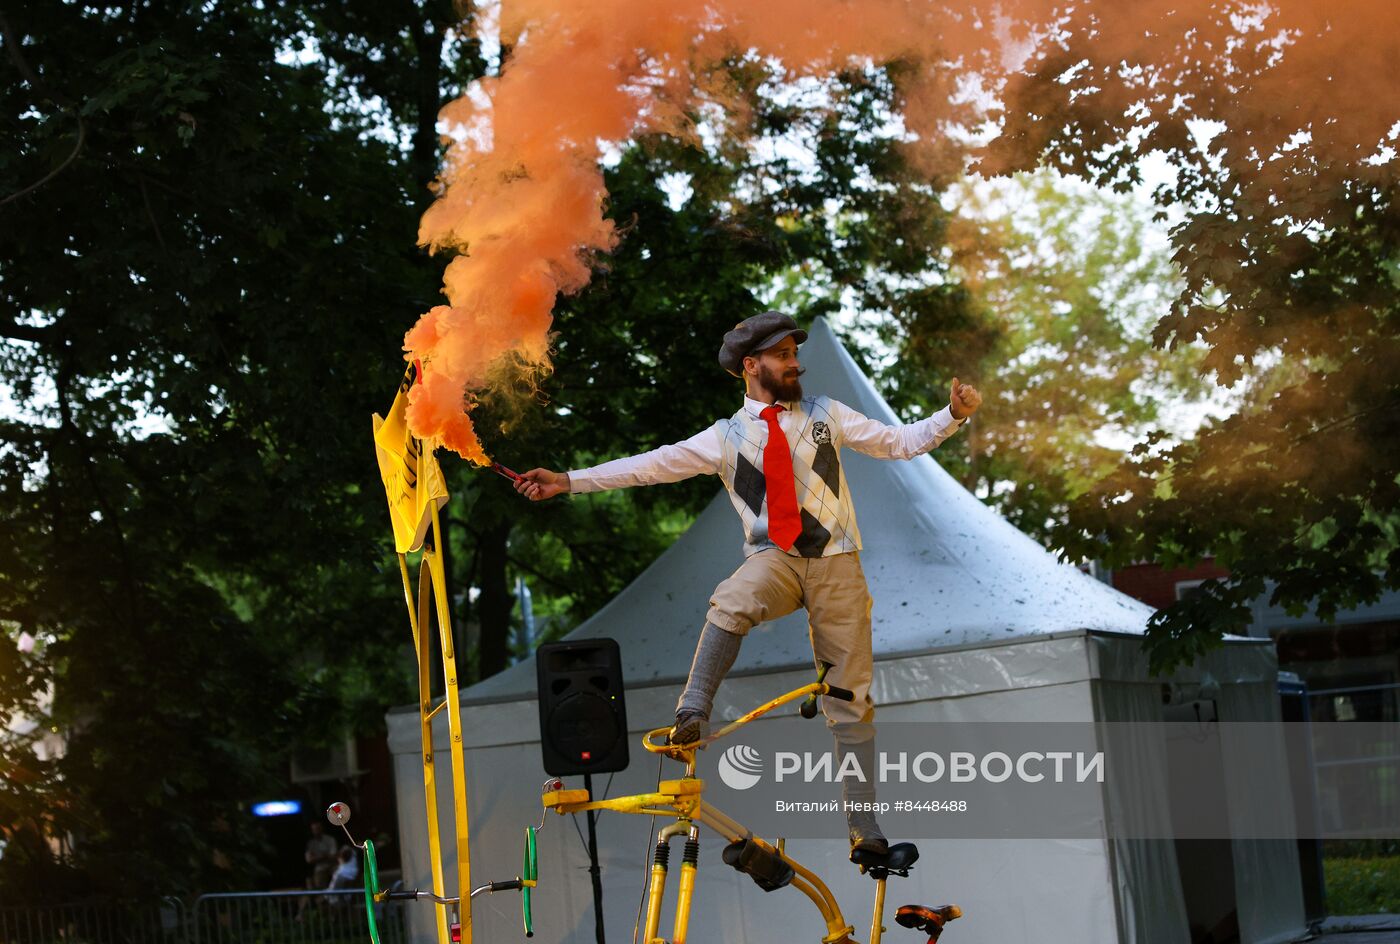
(702, 454)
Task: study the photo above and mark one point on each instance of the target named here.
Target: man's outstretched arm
(698, 455)
(882, 441)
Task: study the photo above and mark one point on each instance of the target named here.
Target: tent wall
(1078, 890)
(1060, 888)
(1268, 883)
(944, 569)
(973, 621)
(1267, 871)
(1064, 889)
(1146, 882)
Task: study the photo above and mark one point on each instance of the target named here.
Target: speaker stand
(593, 869)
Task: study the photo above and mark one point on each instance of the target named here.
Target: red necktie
(784, 520)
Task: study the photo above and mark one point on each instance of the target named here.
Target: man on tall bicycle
(779, 458)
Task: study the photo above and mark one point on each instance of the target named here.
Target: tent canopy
(944, 569)
(973, 622)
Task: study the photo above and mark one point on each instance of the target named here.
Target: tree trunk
(428, 32)
(494, 605)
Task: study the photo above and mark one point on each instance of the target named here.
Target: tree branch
(1389, 404)
(12, 48)
(19, 332)
(25, 432)
(150, 214)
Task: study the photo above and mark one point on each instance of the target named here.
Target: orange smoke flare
(522, 198)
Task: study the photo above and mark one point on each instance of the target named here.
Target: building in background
(1351, 667)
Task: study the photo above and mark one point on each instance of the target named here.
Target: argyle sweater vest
(828, 518)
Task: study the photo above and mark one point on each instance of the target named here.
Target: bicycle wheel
(530, 871)
(371, 890)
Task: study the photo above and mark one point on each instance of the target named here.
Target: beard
(783, 386)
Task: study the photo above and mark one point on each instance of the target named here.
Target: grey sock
(714, 654)
(855, 788)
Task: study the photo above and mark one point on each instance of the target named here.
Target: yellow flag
(412, 478)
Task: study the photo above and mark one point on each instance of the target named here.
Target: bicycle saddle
(928, 920)
(900, 857)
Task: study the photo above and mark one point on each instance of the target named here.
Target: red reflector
(456, 934)
(587, 755)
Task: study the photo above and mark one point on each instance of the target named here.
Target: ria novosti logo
(740, 767)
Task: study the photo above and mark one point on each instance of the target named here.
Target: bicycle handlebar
(407, 894)
(508, 885)
(814, 689)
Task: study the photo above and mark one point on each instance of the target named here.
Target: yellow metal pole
(877, 921)
(415, 489)
(804, 880)
(408, 599)
(686, 892)
(425, 718)
(454, 729)
(683, 898)
(655, 892)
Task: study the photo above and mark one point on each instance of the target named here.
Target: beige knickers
(771, 584)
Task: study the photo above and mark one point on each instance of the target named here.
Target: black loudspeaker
(583, 714)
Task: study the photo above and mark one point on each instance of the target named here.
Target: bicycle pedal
(928, 920)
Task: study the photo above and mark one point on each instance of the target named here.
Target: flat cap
(755, 334)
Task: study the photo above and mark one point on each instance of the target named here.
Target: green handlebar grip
(371, 889)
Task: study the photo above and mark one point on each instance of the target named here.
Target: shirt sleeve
(699, 455)
(883, 441)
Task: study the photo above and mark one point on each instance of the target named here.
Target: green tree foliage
(746, 222)
(208, 261)
(1072, 278)
(1288, 256)
(206, 264)
(193, 302)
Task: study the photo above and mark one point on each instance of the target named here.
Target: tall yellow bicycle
(416, 491)
(766, 863)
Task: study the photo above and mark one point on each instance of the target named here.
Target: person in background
(320, 856)
(347, 872)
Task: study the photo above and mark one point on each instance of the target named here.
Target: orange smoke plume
(521, 198)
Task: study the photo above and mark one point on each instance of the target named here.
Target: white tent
(973, 621)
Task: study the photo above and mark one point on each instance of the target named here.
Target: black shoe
(865, 833)
(690, 726)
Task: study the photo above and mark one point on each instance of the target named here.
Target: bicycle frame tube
(683, 800)
(804, 880)
(421, 624)
(656, 891)
(432, 595)
(454, 730)
(689, 864)
(877, 920)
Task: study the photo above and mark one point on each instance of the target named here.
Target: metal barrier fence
(319, 917)
(1352, 775)
(93, 923)
(300, 917)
